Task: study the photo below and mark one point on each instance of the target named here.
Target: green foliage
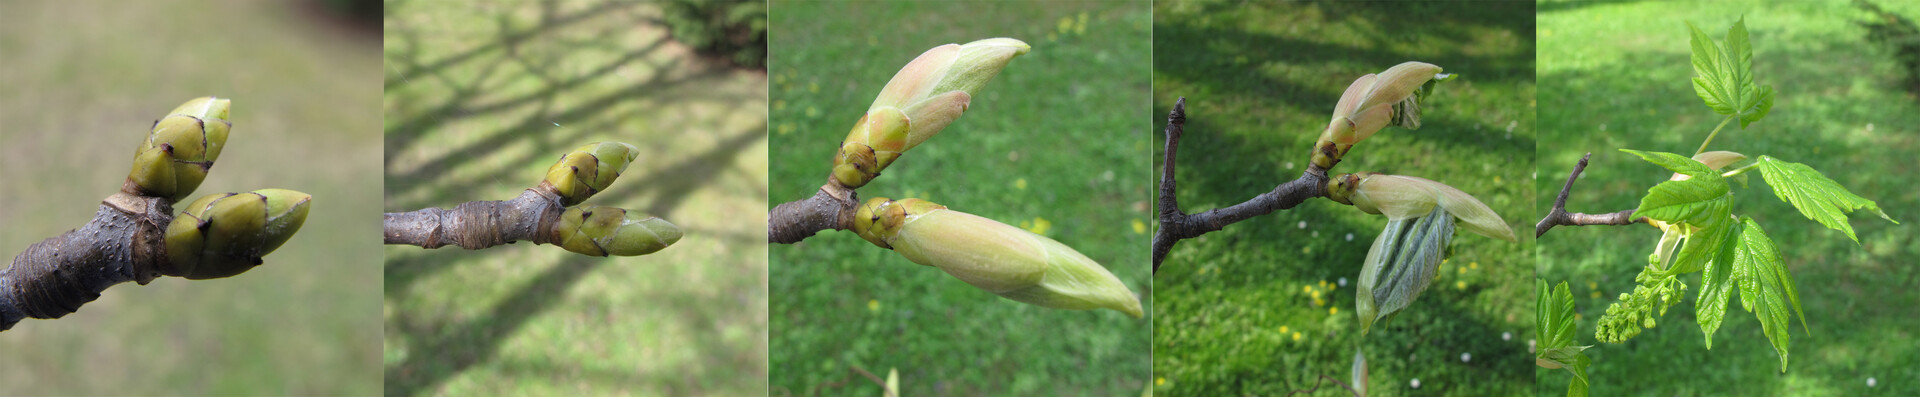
(1616, 74)
(733, 29)
(1817, 197)
(1404, 259)
(1553, 331)
(1724, 75)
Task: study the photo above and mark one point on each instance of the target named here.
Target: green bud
(920, 101)
(222, 235)
(602, 231)
(1005, 260)
(589, 169)
(182, 146)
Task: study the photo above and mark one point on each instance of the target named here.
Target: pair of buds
(1373, 102)
(217, 235)
(921, 100)
(601, 231)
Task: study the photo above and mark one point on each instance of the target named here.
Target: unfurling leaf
(1698, 201)
(1400, 265)
(1817, 197)
(1766, 288)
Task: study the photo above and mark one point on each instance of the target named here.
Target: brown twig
(1176, 225)
(1560, 217)
(832, 208)
(480, 224)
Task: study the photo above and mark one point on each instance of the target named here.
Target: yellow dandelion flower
(1296, 337)
(1139, 227)
(1306, 288)
(1460, 285)
(1283, 329)
(1474, 265)
(813, 86)
(1020, 184)
(1159, 381)
(873, 305)
(1333, 310)
(1040, 226)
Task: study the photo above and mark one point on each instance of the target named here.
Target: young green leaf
(1699, 201)
(1817, 197)
(1719, 244)
(1766, 288)
(1554, 325)
(1724, 76)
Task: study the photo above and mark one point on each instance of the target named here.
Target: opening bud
(993, 256)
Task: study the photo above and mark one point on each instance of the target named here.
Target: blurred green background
(481, 98)
(81, 84)
(1050, 145)
(1616, 75)
(1260, 307)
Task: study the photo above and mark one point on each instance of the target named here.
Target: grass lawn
(1615, 75)
(1259, 308)
(480, 98)
(1052, 145)
(82, 84)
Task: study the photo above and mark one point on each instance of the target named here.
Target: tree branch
(124, 242)
(1560, 217)
(832, 208)
(480, 224)
(1176, 225)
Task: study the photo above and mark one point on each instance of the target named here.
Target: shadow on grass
(441, 349)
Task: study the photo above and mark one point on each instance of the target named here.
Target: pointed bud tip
(206, 107)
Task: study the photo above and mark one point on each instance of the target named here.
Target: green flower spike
(1005, 260)
(602, 231)
(589, 169)
(925, 96)
(1373, 102)
(174, 158)
(222, 235)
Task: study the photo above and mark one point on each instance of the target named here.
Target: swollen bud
(1404, 197)
(589, 169)
(602, 231)
(1005, 260)
(222, 235)
(1373, 102)
(182, 146)
(922, 99)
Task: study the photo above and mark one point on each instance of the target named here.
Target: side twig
(1176, 225)
(832, 208)
(1560, 217)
